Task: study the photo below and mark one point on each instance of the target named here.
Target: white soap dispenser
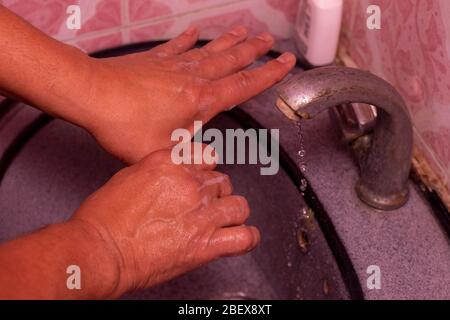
(317, 30)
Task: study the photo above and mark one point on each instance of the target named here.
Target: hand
(139, 99)
(161, 220)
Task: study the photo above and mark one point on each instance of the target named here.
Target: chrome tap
(385, 158)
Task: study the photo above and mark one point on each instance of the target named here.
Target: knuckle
(206, 97)
(231, 58)
(199, 53)
(225, 178)
(223, 182)
(186, 66)
(231, 37)
(244, 79)
(191, 89)
(209, 69)
(192, 186)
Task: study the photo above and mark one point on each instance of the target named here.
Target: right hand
(137, 100)
(161, 220)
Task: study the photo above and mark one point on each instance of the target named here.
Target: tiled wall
(108, 23)
(412, 52)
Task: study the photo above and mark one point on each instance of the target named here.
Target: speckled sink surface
(408, 244)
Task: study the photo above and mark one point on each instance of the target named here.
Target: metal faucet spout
(386, 165)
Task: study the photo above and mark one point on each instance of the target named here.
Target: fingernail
(286, 57)
(243, 204)
(190, 31)
(238, 31)
(265, 37)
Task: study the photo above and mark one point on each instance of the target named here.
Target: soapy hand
(160, 220)
(139, 99)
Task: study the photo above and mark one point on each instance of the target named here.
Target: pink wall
(412, 52)
(107, 23)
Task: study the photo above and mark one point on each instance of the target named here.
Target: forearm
(35, 266)
(42, 71)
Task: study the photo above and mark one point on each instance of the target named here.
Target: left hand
(158, 220)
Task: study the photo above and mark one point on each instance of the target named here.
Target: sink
(50, 177)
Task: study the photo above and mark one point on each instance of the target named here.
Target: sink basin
(61, 165)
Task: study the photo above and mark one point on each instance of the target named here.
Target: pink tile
(99, 43)
(411, 52)
(146, 9)
(215, 25)
(288, 7)
(150, 32)
(140, 10)
(107, 15)
(50, 15)
(439, 140)
(47, 16)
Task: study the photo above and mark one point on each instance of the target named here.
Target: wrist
(42, 71)
(70, 89)
(99, 261)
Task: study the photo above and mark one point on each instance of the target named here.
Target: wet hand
(139, 99)
(159, 220)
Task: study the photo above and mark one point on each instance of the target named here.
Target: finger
(241, 86)
(178, 45)
(214, 184)
(227, 40)
(195, 54)
(202, 156)
(195, 155)
(228, 211)
(233, 241)
(236, 58)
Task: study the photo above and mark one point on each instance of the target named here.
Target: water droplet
(326, 287)
(302, 152)
(303, 185)
(298, 295)
(303, 240)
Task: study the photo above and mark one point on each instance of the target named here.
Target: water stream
(301, 162)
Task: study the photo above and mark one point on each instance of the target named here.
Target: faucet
(385, 158)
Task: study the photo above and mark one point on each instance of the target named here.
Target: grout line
(131, 25)
(430, 153)
(124, 7)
